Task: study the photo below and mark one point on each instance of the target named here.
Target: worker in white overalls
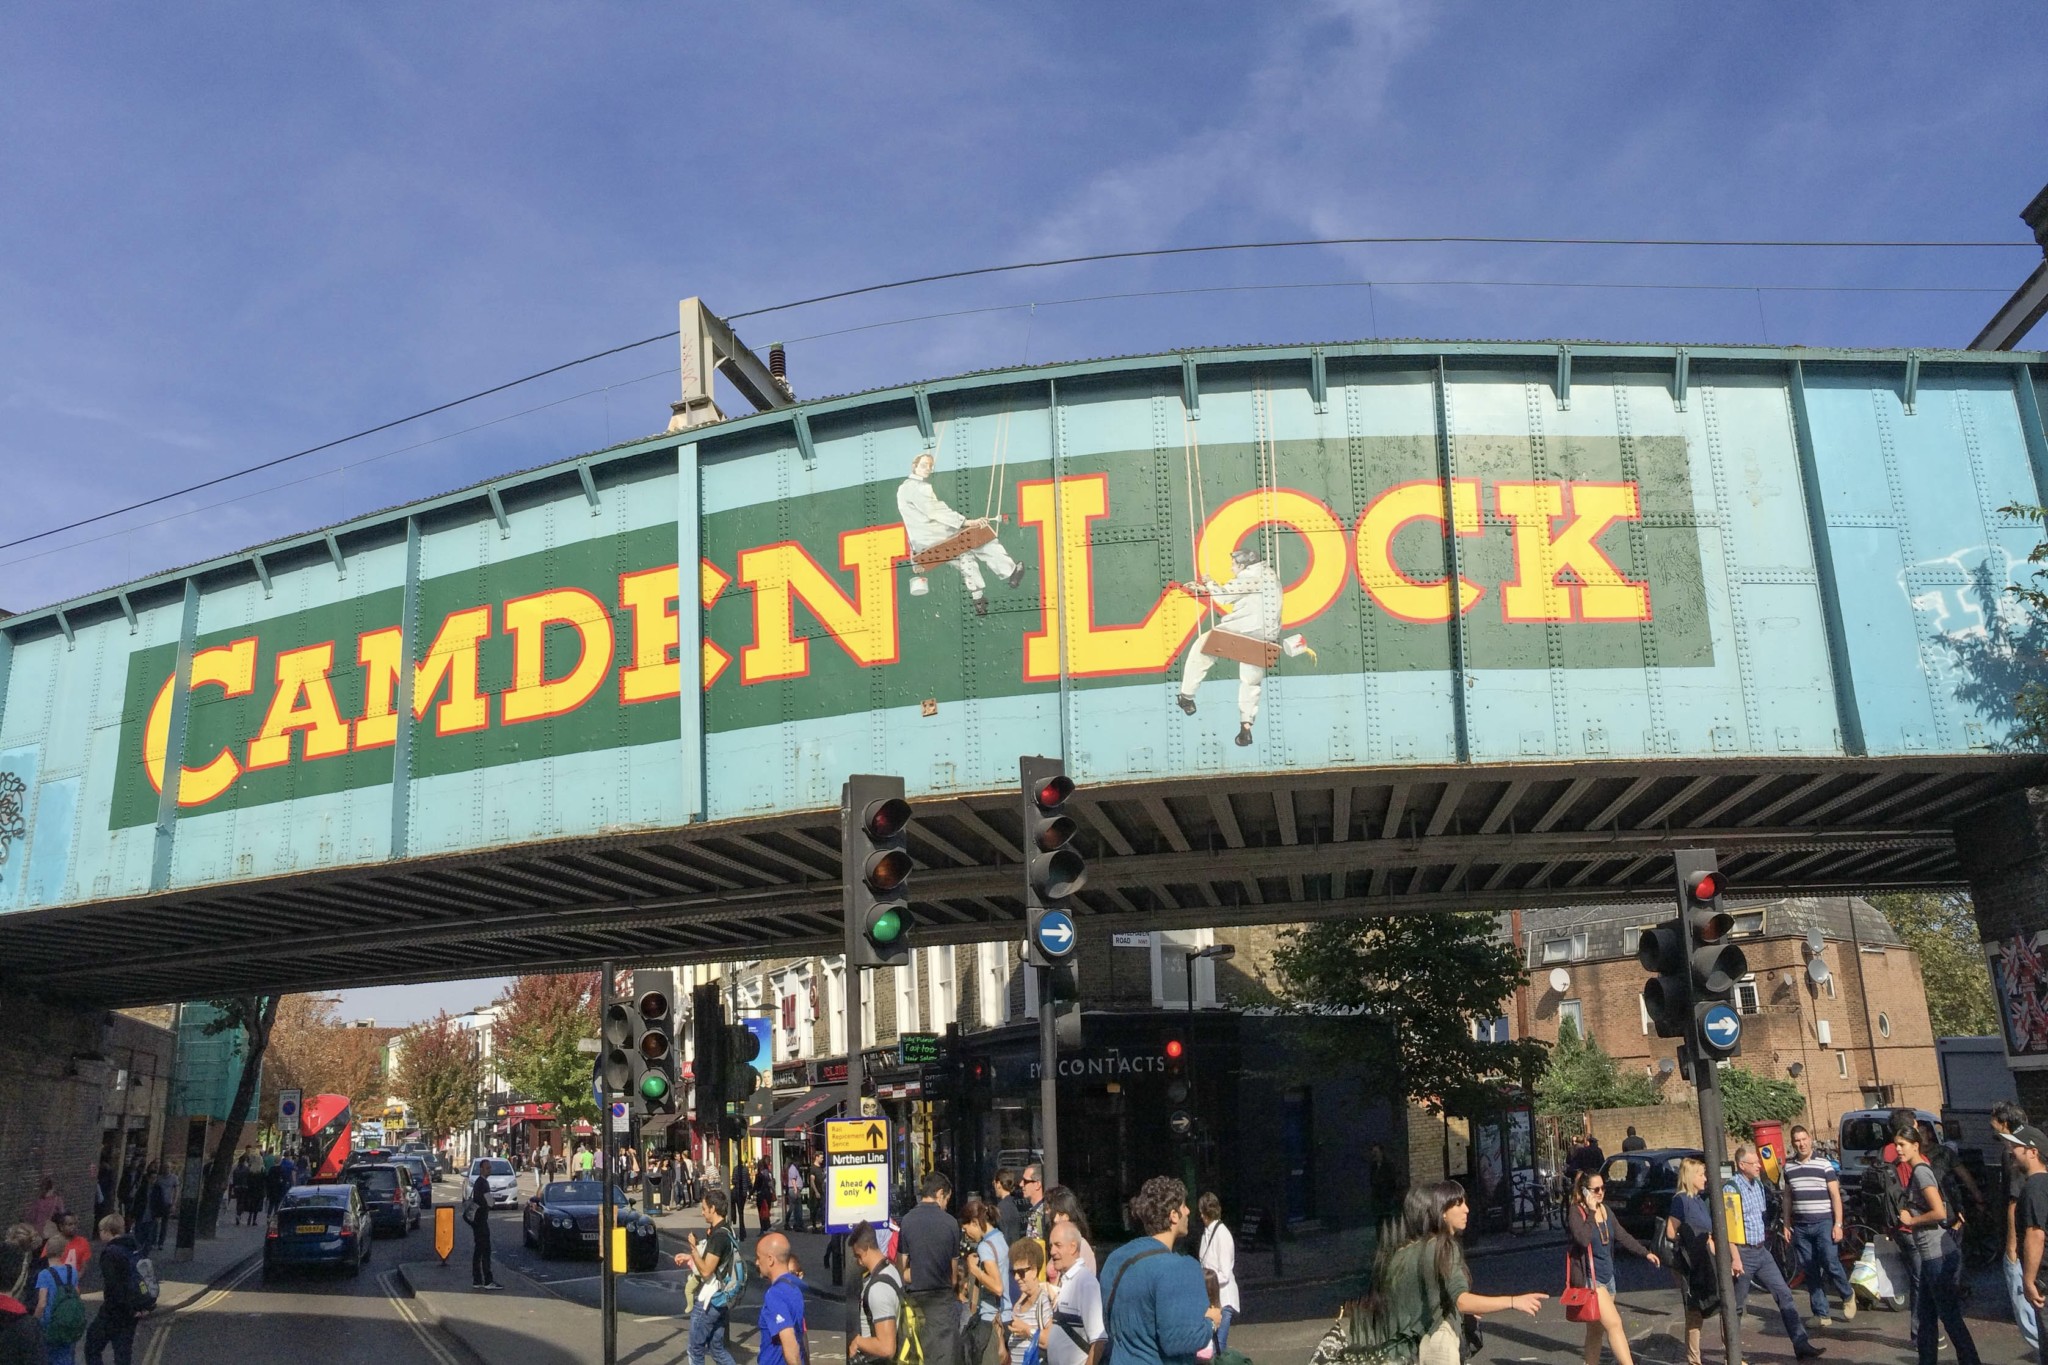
(1254, 598)
(928, 521)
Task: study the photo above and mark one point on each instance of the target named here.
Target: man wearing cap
(2030, 1216)
(2008, 1117)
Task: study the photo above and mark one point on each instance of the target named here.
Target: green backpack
(66, 1321)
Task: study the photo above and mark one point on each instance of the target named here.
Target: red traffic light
(1704, 886)
(653, 1005)
(1174, 1048)
(886, 818)
(1053, 791)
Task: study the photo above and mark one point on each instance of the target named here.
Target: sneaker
(1849, 1308)
(1187, 703)
(492, 1284)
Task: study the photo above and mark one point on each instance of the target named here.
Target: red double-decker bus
(326, 1135)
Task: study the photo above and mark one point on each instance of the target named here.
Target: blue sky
(233, 230)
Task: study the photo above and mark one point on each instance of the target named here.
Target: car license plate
(312, 1227)
(590, 1237)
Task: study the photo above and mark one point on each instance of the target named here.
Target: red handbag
(1581, 1304)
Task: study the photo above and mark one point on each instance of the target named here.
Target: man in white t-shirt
(1077, 1328)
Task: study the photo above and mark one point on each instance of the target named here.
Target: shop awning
(795, 1119)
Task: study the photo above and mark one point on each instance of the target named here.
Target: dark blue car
(388, 1196)
(317, 1225)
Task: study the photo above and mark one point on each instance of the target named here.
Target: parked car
(1640, 1186)
(563, 1218)
(317, 1225)
(504, 1181)
(388, 1195)
(422, 1176)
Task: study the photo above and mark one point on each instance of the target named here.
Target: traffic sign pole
(607, 1286)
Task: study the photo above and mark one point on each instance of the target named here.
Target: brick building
(1859, 1038)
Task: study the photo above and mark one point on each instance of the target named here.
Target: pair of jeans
(2022, 1311)
(1759, 1267)
(1937, 1299)
(110, 1329)
(480, 1251)
(1815, 1251)
(707, 1335)
(938, 1316)
(1223, 1330)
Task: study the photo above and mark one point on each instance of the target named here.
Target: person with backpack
(130, 1284)
(21, 1336)
(1925, 1221)
(881, 1300)
(58, 1307)
(928, 1253)
(718, 1278)
(1155, 1304)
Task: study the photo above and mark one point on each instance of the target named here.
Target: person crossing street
(1756, 1264)
(1814, 1225)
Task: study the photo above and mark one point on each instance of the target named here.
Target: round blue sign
(1721, 1027)
(1056, 936)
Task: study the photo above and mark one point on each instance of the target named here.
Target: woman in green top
(1420, 1286)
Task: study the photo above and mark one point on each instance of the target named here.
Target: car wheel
(526, 1232)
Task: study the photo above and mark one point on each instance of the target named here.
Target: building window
(1574, 1011)
(1631, 940)
(1170, 950)
(992, 984)
(942, 999)
(1746, 998)
(906, 997)
(1490, 1030)
(1570, 949)
(1884, 1025)
(1841, 1063)
(1829, 985)
(1748, 922)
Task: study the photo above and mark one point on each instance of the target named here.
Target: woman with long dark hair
(1594, 1235)
(1420, 1287)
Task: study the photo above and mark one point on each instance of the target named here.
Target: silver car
(503, 1181)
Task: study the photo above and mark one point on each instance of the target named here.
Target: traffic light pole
(607, 1287)
(1714, 1144)
(1048, 1082)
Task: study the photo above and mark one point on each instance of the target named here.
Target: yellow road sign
(856, 1135)
(444, 1231)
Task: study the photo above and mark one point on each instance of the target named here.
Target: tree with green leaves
(1581, 1075)
(1942, 929)
(536, 1038)
(254, 1015)
(1749, 1098)
(1439, 980)
(440, 1074)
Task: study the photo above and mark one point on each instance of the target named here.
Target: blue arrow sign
(1056, 933)
(1720, 1027)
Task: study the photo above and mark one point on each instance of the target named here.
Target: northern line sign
(1229, 562)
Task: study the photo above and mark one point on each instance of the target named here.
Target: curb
(220, 1278)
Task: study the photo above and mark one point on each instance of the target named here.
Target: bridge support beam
(2003, 847)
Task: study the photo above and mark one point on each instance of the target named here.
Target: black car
(1640, 1186)
(388, 1197)
(317, 1225)
(563, 1216)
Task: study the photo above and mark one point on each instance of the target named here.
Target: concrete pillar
(2003, 848)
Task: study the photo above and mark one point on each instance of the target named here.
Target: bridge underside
(1222, 851)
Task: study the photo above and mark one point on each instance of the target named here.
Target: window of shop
(1170, 949)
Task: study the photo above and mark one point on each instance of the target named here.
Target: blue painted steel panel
(734, 626)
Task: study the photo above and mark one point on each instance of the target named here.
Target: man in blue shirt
(1155, 1303)
(1756, 1263)
(782, 1307)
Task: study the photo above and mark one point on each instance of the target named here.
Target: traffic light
(1667, 995)
(1714, 964)
(654, 1062)
(1053, 867)
(875, 864)
(741, 1080)
(615, 1065)
(707, 1065)
(1179, 1092)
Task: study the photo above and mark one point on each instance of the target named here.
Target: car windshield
(493, 1168)
(580, 1192)
(378, 1178)
(315, 1199)
(1865, 1134)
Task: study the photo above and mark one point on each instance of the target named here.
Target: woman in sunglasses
(1594, 1234)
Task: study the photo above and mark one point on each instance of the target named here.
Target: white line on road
(412, 1319)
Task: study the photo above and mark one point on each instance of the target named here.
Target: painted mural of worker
(929, 522)
(1253, 597)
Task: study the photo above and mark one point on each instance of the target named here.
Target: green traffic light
(654, 1087)
(887, 927)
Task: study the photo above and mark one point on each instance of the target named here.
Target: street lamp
(1217, 953)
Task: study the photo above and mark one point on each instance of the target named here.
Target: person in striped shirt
(1813, 1224)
